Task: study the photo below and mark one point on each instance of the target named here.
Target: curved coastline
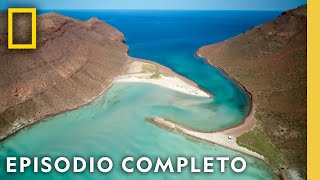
(232, 130)
(248, 123)
(220, 137)
(224, 137)
(250, 115)
(116, 79)
(167, 70)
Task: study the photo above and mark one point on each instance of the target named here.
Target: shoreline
(235, 131)
(249, 118)
(224, 72)
(170, 71)
(224, 137)
(15, 130)
(160, 75)
(43, 119)
(220, 138)
(249, 122)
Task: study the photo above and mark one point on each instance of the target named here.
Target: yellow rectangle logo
(33, 44)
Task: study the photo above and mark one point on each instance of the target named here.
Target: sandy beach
(145, 72)
(226, 138)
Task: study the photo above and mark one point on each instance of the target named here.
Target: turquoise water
(171, 38)
(110, 126)
(114, 125)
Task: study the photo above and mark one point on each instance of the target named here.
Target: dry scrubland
(270, 61)
(73, 63)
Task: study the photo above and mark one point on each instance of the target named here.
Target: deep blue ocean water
(114, 125)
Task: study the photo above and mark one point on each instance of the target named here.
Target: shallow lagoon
(114, 125)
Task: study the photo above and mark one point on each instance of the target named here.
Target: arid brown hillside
(270, 61)
(73, 63)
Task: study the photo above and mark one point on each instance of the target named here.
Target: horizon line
(157, 9)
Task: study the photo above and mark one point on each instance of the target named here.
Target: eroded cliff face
(73, 63)
(270, 61)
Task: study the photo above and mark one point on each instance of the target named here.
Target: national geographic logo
(22, 34)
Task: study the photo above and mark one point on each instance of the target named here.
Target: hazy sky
(156, 4)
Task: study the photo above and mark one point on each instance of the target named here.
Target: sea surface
(114, 125)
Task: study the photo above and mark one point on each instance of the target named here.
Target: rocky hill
(73, 63)
(270, 60)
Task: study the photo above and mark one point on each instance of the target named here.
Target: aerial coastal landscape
(158, 84)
